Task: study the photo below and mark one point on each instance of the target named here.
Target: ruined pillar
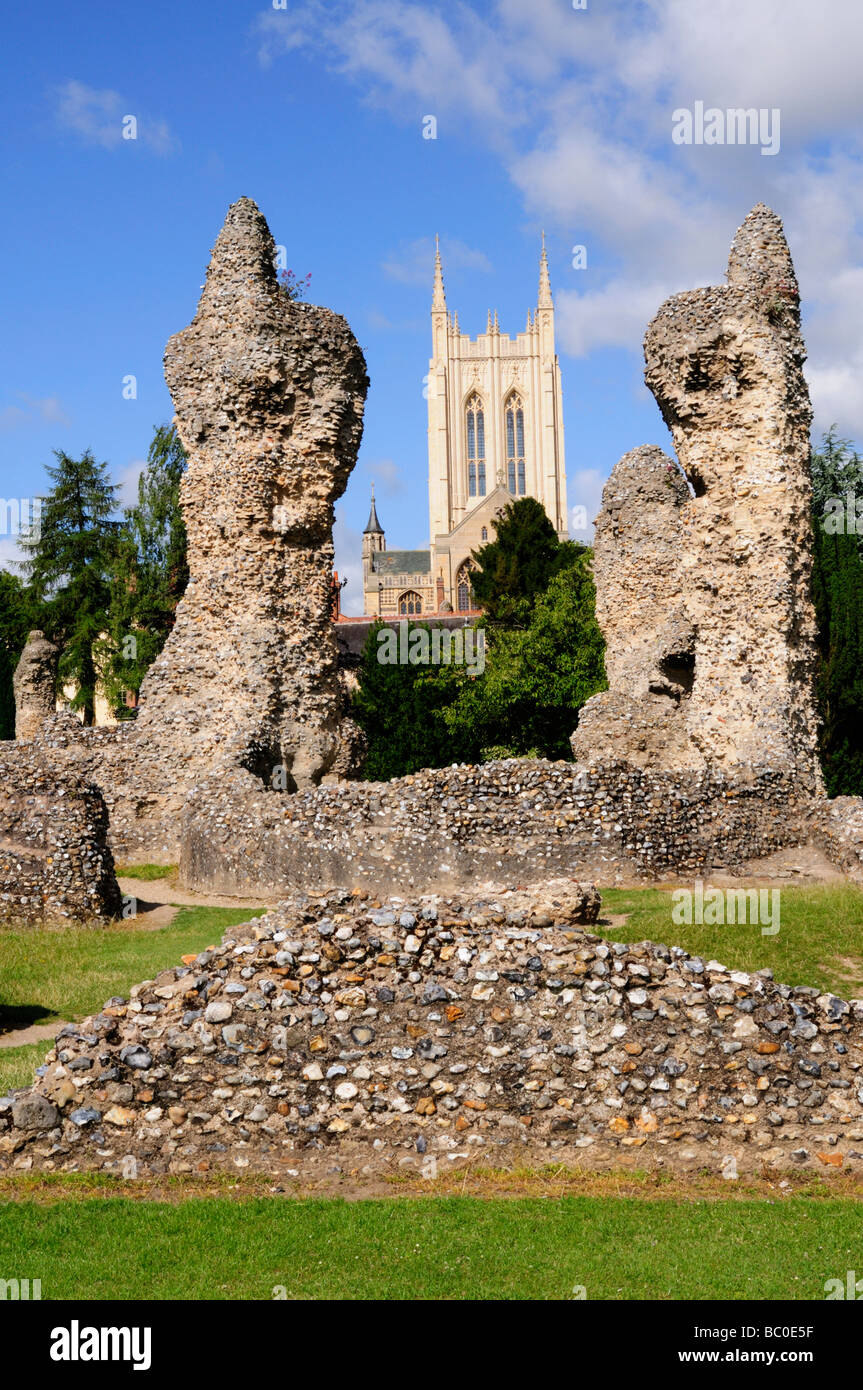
(729, 652)
(34, 684)
(269, 397)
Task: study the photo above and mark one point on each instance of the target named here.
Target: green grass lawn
(69, 972)
(431, 1248)
(820, 940)
(148, 872)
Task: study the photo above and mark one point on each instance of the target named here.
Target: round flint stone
(85, 1115)
(137, 1057)
(363, 1034)
(34, 1112)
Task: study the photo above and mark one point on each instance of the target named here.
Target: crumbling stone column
(269, 396)
(715, 651)
(34, 684)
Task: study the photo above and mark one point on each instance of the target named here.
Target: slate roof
(401, 562)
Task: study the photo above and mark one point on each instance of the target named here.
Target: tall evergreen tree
(837, 476)
(519, 563)
(68, 565)
(150, 573)
(838, 594)
(837, 591)
(536, 679)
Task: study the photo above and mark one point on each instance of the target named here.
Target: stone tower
(34, 685)
(713, 664)
(269, 397)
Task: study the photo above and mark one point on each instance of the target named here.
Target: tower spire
(373, 526)
(438, 295)
(545, 300)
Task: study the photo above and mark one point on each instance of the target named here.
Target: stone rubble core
(269, 395)
(438, 1028)
(701, 754)
(55, 864)
(703, 591)
(516, 820)
(34, 685)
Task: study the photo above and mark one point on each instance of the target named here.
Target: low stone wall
(513, 821)
(377, 1033)
(55, 864)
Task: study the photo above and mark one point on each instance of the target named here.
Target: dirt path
(164, 892)
(157, 903)
(37, 1032)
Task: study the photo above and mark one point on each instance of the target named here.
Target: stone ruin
(269, 398)
(703, 571)
(474, 1010)
(384, 1035)
(702, 752)
(34, 684)
(269, 395)
(55, 864)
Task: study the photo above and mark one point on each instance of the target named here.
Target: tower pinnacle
(373, 526)
(544, 300)
(438, 296)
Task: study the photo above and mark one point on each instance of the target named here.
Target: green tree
(400, 709)
(837, 470)
(69, 561)
(18, 614)
(519, 563)
(837, 591)
(536, 679)
(150, 572)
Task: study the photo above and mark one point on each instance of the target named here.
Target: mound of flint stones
(374, 1032)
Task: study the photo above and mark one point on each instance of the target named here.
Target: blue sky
(547, 116)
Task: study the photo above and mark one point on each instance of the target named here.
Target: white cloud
(10, 553)
(387, 475)
(614, 316)
(97, 116)
(585, 498)
(34, 410)
(349, 564)
(127, 481)
(577, 106)
(412, 263)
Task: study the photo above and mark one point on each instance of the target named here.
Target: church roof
(401, 562)
(373, 526)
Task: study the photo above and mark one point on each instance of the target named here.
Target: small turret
(373, 536)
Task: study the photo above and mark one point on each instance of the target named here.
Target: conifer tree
(68, 566)
(519, 563)
(150, 572)
(837, 591)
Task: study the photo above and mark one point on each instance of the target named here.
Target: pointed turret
(544, 300)
(373, 540)
(439, 316)
(438, 294)
(373, 526)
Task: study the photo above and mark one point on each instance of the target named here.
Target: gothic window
(464, 593)
(484, 533)
(475, 447)
(410, 602)
(515, 466)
